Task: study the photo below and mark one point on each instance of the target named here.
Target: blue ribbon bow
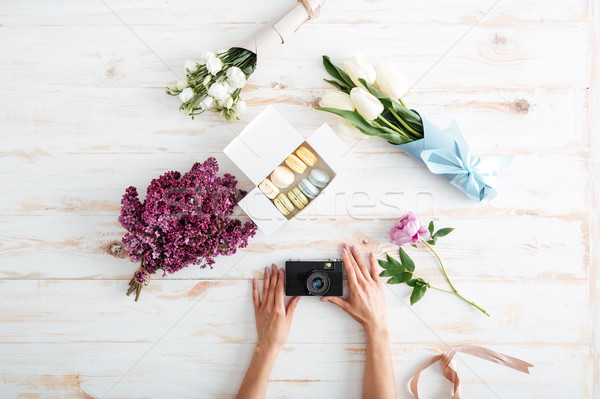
(446, 153)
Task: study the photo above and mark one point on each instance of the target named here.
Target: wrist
(377, 331)
(267, 353)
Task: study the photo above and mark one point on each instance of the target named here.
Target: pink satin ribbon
(473, 350)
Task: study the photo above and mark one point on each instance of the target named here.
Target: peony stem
(455, 291)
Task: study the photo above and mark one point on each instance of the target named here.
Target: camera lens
(317, 282)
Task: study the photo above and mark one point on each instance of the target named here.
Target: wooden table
(83, 115)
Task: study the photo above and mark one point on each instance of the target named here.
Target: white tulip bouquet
(214, 82)
(370, 102)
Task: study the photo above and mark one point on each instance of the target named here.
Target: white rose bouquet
(370, 102)
(214, 82)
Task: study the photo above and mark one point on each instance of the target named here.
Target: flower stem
(410, 129)
(455, 291)
(391, 125)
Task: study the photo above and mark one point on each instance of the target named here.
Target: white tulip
(367, 105)
(239, 107)
(391, 82)
(186, 95)
(180, 85)
(359, 67)
(346, 130)
(205, 55)
(218, 91)
(236, 78)
(213, 65)
(190, 65)
(207, 103)
(336, 99)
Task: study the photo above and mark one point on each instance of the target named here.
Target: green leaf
(412, 282)
(443, 232)
(337, 73)
(386, 273)
(412, 118)
(432, 241)
(383, 263)
(407, 262)
(394, 263)
(417, 294)
(364, 126)
(401, 278)
(338, 85)
(413, 245)
(430, 228)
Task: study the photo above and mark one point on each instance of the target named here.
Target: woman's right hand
(366, 301)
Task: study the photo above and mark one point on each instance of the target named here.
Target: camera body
(314, 277)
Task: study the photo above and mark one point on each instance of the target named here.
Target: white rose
(346, 130)
(359, 67)
(391, 82)
(218, 91)
(207, 103)
(190, 65)
(186, 95)
(204, 56)
(336, 99)
(180, 85)
(367, 105)
(240, 107)
(236, 78)
(213, 65)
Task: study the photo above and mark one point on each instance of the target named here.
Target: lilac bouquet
(183, 220)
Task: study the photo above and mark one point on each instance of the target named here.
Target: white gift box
(263, 145)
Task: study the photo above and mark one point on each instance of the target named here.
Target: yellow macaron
(306, 156)
(298, 198)
(295, 164)
(283, 204)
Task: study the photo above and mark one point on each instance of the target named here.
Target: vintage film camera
(314, 277)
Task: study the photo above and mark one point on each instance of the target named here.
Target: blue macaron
(319, 177)
(308, 188)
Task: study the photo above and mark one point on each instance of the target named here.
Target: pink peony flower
(409, 229)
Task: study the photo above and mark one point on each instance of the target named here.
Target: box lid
(263, 144)
(329, 146)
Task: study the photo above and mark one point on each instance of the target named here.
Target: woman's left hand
(273, 318)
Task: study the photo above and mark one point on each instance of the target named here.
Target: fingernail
(345, 245)
(324, 299)
(371, 254)
(266, 270)
(274, 268)
(280, 271)
(253, 281)
(345, 251)
(354, 248)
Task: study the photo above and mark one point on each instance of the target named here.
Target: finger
(255, 297)
(266, 283)
(350, 271)
(342, 303)
(289, 311)
(361, 265)
(374, 268)
(279, 297)
(272, 286)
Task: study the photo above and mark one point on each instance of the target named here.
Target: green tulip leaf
(338, 85)
(364, 126)
(337, 73)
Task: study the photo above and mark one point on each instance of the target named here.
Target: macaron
(319, 177)
(308, 188)
(283, 204)
(298, 198)
(295, 164)
(306, 156)
(282, 177)
(268, 188)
